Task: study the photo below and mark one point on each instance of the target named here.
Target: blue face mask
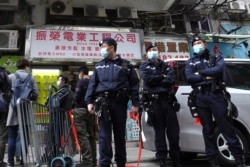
(104, 52)
(198, 49)
(152, 54)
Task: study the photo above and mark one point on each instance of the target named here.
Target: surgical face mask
(80, 76)
(58, 83)
(152, 54)
(104, 52)
(198, 48)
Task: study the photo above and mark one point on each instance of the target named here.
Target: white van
(191, 138)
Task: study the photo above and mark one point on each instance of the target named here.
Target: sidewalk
(147, 157)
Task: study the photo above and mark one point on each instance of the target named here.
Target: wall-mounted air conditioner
(9, 4)
(61, 7)
(239, 5)
(8, 39)
(248, 8)
(94, 11)
(127, 12)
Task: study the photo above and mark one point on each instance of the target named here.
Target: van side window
(182, 76)
(240, 75)
(179, 73)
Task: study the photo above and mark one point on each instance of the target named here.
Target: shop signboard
(170, 47)
(80, 44)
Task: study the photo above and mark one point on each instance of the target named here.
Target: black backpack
(22, 88)
(5, 90)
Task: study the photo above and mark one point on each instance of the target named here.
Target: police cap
(197, 38)
(110, 41)
(153, 44)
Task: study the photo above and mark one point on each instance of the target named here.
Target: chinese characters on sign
(81, 44)
(172, 49)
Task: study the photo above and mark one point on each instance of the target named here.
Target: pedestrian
(205, 73)
(64, 93)
(158, 79)
(84, 121)
(113, 83)
(12, 120)
(59, 104)
(4, 90)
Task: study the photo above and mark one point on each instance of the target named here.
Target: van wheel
(188, 156)
(225, 156)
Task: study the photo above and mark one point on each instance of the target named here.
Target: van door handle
(185, 93)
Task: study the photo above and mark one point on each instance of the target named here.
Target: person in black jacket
(158, 79)
(84, 121)
(113, 83)
(64, 93)
(205, 73)
(61, 103)
(5, 86)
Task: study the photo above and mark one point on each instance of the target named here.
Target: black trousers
(165, 123)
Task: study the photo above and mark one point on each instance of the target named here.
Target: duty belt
(205, 88)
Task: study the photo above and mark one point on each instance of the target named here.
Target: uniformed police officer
(113, 83)
(158, 78)
(205, 74)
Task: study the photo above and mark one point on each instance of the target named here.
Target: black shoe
(84, 165)
(103, 166)
(213, 163)
(3, 164)
(10, 165)
(163, 163)
(120, 165)
(177, 164)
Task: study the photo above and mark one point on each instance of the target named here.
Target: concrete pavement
(147, 157)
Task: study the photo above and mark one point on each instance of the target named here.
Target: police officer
(115, 80)
(204, 72)
(158, 78)
(84, 121)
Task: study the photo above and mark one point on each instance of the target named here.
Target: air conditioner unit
(61, 7)
(94, 11)
(248, 8)
(127, 12)
(9, 4)
(239, 5)
(8, 39)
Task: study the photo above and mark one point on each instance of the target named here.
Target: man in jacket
(84, 121)
(205, 73)
(12, 120)
(158, 78)
(4, 91)
(112, 84)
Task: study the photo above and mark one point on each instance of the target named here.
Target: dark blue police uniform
(158, 79)
(112, 76)
(211, 102)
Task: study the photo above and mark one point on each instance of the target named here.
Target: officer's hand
(134, 109)
(91, 108)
